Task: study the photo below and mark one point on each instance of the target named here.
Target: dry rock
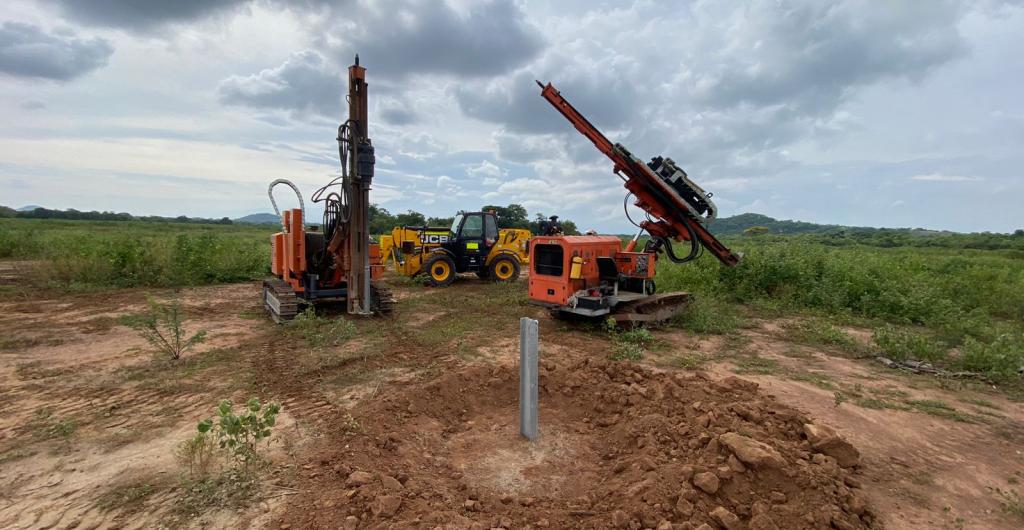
(620, 519)
(359, 478)
(386, 505)
(825, 440)
(727, 519)
(707, 482)
(752, 452)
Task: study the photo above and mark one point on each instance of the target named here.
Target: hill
(28, 208)
(736, 224)
(259, 219)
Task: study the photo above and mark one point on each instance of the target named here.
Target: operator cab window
(548, 260)
(472, 227)
(491, 228)
(455, 224)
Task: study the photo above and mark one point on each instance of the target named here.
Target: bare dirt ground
(412, 423)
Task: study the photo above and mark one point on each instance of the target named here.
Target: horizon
(711, 225)
(859, 119)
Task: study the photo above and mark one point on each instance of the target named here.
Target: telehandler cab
(472, 244)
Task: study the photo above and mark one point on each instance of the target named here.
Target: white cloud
(939, 177)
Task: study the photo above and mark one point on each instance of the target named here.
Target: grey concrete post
(529, 349)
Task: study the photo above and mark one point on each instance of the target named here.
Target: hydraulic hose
(270, 193)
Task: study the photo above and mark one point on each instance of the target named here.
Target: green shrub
(1003, 358)
(239, 434)
(708, 314)
(162, 328)
(901, 344)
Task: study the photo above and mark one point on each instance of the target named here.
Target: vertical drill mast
(357, 187)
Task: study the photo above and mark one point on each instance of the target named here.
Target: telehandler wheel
(440, 270)
(503, 269)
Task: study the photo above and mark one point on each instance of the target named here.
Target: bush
(239, 434)
(1002, 358)
(161, 326)
(708, 314)
(900, 344)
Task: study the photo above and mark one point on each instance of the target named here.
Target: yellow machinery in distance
(472, 244)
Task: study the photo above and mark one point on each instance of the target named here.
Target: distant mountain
(29, 208)
(259, 219)
(737, 224)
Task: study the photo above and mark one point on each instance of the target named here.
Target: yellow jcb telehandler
(472, 244)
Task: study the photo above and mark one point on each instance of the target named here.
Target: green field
(83, 255)
(958, 307)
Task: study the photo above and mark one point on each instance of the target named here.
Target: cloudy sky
(900, 113)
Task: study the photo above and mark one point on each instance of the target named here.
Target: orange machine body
(289, 254)
(562, 266)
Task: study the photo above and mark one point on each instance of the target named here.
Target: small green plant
(839, 398)
(162, 328)
(197, 455)
(629, 345)
(240, 434)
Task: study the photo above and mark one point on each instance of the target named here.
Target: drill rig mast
(338, 261)
(593, 275)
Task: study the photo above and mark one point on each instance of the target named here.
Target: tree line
(72, 214)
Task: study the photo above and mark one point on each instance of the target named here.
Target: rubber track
(287, 301)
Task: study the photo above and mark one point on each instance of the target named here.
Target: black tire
(435, 269)
(503, 269)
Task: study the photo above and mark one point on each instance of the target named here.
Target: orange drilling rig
(337, 260)
(595, 276)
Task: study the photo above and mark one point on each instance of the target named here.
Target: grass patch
(821, 332)
(47, 426)
(1012, 502)
(754, 365)
(876, 403)
(981, 402)
(15, 454)
(230, 490)
(707, 314)
(819, 380)
(17, 343)
(128, 497)
(320, 331)
(940, 409)
(689, 361)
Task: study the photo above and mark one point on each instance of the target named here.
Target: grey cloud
(33, 104)
(515, 101)
(304, 85)
(28, 51)
(142, 14)
(397, 112)
(811, 54)
(402, 37)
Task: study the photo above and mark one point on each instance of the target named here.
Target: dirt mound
(621, 447)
